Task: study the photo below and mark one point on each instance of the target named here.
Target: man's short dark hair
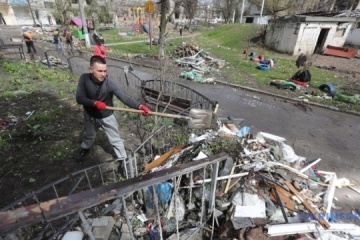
(97, 59)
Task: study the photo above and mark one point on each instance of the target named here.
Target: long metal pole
(82, 15)
(261, 12)
(242, 10)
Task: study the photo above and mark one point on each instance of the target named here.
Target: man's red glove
(145, 109)
(100, 105)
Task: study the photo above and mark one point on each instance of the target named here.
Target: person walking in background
(180, 30)
(99, 49)
(69, 42)
(95, 92)
(57, 41)
(28, 38)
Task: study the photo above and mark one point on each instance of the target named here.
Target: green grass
(34, 87)
(229, 41)
(111, 36)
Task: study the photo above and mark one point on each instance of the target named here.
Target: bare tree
(226, 7)
(62, 8)
(190, 7)
(275, 6)
(117, 6)
(164, 8)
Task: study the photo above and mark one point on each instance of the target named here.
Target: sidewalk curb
(287, 98)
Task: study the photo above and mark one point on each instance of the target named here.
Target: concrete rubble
(263, 190)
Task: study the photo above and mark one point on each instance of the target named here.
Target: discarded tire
(328, 88)
(277, 83)
(264, 67)
(288, 85)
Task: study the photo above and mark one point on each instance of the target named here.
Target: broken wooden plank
(285, 198)
(163, 157)
(229, 180)
(308, 206)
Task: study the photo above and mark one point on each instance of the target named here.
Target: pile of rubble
(198, 62)
(263, 189)
(53, 61)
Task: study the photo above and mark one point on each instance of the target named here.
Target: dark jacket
(88, 92)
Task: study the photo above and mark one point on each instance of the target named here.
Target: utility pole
(262, 9)
(82, 15)
(242, 11)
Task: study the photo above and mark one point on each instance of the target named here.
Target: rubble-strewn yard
(263, 188)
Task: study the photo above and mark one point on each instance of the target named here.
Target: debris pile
(53, 61)
(262, 189)
(197, 61)
(7, 122)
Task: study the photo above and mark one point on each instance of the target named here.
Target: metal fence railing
(172, 92)
(98, 178)
(12, 50)
(129, 83)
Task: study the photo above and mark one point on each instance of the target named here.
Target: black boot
(79, 157)
(121, 169)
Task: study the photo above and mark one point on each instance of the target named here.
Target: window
(340, 32)
(75, 1)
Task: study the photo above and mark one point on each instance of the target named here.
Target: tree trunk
(31, 11)
(162, 27)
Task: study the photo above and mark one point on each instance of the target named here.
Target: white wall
(296, 38)
(8, 14)
(280, 36)
(257, 19)
(309, 34)
(354, 37)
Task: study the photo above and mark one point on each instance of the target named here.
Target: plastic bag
(289, 154)
(180, 208)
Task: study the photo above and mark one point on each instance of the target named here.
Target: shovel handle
(150, 113)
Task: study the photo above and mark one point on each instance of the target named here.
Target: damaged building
(308, 33)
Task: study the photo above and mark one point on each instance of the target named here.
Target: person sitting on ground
(95, 92)
(99, 48)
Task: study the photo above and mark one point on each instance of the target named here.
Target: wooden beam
(308, 206)
(163, 157)
(57, 208)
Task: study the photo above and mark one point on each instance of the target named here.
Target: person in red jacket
(99, 49)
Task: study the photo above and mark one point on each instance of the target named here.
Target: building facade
(298, 34)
